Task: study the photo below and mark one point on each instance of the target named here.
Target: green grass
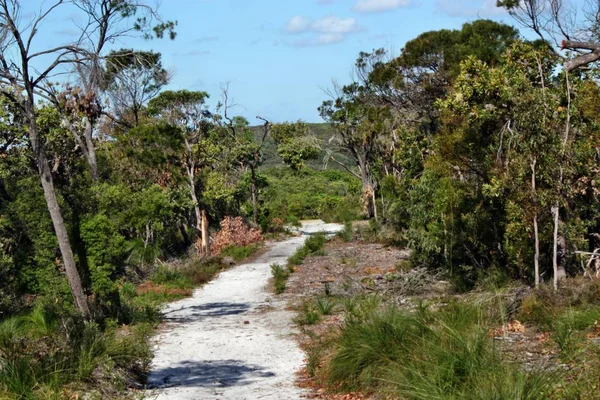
(48, 351)
(443, 354)
(326, 305)
(45, 350)
(309, 314)
(346, 234)
(312, 245)
(239, 253)
(280, 277)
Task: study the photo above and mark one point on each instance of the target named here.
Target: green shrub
(325, 305)
(239, 253)
(315, 242)
(309, 314)
(347, 234)
(310, 194)
(280, 277)
(445, 354)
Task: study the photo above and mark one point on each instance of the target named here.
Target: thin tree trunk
(254, 200)
(536, 257)
(555, 247)
(58, 222)
(91, 150)
(368, 199)
(374, 205)
(184, 234)
(205, 235)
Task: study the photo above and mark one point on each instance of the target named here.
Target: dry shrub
(234, 232)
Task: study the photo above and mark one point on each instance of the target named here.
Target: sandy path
(232, 339)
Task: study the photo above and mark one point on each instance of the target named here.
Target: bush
(46, 349)
(239, 253)
(313, 244)
(347, 234)
(280, 277)
(309, 315)
(310, 194)
(445, 354)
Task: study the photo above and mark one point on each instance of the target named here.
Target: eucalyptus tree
(28, 72)
(187, 111)
(132, 78)
(563, 25)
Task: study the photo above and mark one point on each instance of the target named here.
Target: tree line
(481, 147)
(102, 171)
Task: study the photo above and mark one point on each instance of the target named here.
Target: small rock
(246, 322)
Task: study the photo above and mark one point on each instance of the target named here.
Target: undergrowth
(51, 353)
(444, 354)
(313, 245)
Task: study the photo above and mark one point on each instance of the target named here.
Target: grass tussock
(313, 245)
(239, 253)
(424, 354)
(46, 354)
(52, 353)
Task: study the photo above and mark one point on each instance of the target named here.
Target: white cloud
(370, 6)
(335, 25)
(470, 8)
(330, 38)
(322, 31)
(297, 24)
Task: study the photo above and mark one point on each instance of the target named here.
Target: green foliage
(442, 355)
(46, 349)
(239, 253)
(325, 305)
(309, 194)
(280, 277)
(347, 234)
(295, 143)
(309, 314)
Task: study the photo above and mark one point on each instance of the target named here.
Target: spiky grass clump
(443, 355)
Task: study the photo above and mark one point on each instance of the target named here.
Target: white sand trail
(232, 338)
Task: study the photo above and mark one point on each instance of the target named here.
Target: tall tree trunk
(184, 234)
(555, 212)
(536, 257)
(58, 222)
(91, 150)
(368, 196)
(254, 200)
(205, 235)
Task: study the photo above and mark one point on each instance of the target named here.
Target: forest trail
(233, 338)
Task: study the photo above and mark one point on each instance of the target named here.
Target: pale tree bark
(555, 213)
(58, 223)
(205, 235)
(536, 237)
(27, 74)
(86, 145)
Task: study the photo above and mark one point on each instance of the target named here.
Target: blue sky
(279, 55)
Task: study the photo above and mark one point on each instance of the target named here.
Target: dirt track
(232, 339)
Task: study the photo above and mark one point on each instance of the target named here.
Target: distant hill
(324, 132)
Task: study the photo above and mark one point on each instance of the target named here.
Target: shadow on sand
(214, 374)
(208, 310)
